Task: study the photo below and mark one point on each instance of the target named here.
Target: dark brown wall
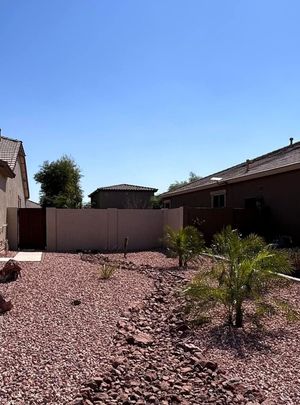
(122, 199)
(281, 193)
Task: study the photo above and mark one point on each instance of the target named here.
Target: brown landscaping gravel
(48, 346)
(151, 364)
(152, 259)
(266, 360)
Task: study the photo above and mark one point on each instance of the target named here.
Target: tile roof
(279, 158)
(32, 204)
(9, 150)
(124, 187)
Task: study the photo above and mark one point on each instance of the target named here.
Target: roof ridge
(124, 187)
(10, 139)
(127, 184)
(276, 152)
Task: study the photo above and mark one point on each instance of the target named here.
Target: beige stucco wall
(12, 229)
(3, 181)
(10, 190)
(105, 229)
(143, 228)
(77, 229)
(173, 218)
(15, 189)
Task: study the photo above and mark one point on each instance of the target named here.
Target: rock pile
(4, 305)
(10, 271)
(155, 362)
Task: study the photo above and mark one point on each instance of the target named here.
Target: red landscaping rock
(10, 271)
(5, 306)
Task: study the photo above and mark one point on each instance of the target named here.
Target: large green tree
(60, 183)
(177, 184)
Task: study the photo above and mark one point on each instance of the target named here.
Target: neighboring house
(268, 184)
(32, 204)
(122, 196)
(14, 189)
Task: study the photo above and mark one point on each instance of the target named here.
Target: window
(254, 203)
(218, 199)
(167, 204)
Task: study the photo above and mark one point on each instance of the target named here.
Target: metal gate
(32, 228)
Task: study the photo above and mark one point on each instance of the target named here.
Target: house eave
(246, 177)
(24, 174)
(6, 170)
(154, 190)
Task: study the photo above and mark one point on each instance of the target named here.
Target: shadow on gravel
(242, 343)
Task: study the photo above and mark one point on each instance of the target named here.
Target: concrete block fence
(101, 229)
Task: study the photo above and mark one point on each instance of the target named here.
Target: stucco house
(122, 196)
(14, 188)
(32, 204)
(268, 185)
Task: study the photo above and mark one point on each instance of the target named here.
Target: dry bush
(106, 271)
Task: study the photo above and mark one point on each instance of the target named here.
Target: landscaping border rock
(153, 361)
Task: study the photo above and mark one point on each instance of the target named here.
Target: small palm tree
(184, 243)
(243, 270)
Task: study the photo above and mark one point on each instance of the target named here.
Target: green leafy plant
(244, 268)
(106, 271)
(294, 255)
(184, 243)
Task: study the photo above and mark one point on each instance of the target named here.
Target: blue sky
(144, 92)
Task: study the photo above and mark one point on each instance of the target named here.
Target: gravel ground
(268, 359)
(153, 259)
(48, 347)
(151, 364)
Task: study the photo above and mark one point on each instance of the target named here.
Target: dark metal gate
(32, 228)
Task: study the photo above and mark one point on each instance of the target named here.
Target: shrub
(184, 243)
(294, 256)
(244, 269)
(106, 271)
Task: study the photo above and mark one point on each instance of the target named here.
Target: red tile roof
(124, 187)
(9, 150)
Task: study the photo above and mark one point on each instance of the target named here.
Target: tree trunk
(180, 261)
(239, 315)
(230, 319)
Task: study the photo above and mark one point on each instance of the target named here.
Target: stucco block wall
(174, 218)
(71, 229)
(106, 229)
(142, 227)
